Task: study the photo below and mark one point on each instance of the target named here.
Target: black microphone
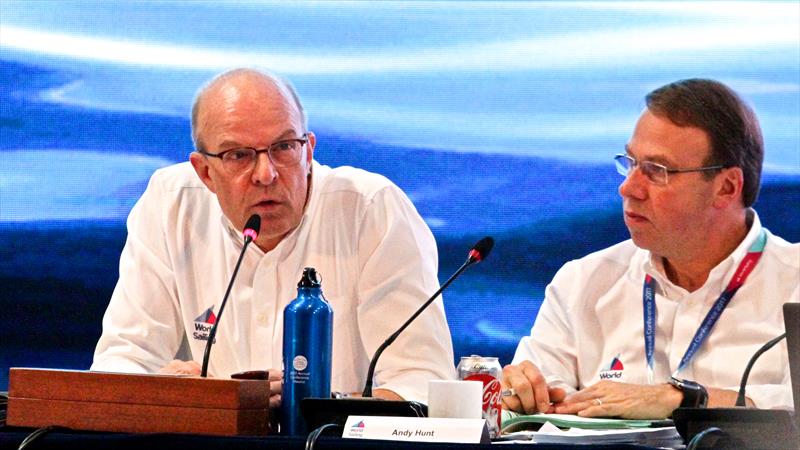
(251, 229)
(740, 401)
(319, 411)
(478, 253)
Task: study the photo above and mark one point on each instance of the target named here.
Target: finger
(594, 410)
(557, 395)
(572, 407)
(192, 367)
(275, 387)
(169, 368)
(523, 401)
(584, 395)
(512, 403)
(275, 374)
(274, 401)
(540, 395)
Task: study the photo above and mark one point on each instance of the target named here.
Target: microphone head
(252, 227)
(482, 249)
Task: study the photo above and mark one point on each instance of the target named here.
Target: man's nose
(264, 172)
(634, 185)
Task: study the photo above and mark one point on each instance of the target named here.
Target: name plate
(416, 429)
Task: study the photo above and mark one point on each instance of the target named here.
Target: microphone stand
(251, 230)
(737, 427)
(371, 372)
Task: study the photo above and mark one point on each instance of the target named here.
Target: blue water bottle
(307, 343)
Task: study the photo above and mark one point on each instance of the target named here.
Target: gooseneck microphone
(251, 229)
(478, 253)
(737, 427)
(740, 399)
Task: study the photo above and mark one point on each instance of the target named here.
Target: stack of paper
(570, 429)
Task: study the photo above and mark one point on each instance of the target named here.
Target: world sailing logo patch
(614, 370)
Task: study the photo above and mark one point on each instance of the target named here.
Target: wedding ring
(597, 402)
(510, 392)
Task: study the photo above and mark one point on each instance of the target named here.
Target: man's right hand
(532, 394)
(178, 367)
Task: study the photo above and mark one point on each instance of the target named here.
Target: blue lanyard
(648, 300)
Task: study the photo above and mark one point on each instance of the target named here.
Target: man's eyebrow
(229, 144)
(289, 133)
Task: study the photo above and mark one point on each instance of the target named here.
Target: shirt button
(261, 318)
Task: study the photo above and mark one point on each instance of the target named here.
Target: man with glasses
(254, 155)
(670, 317)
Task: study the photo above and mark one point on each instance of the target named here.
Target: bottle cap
(309, 279)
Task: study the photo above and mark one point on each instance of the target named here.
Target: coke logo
(491, 388)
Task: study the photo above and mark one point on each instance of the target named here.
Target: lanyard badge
(649, 303)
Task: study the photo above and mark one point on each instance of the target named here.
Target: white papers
(551, 434)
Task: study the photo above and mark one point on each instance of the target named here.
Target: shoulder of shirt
(351, 179)
(175, 178)
(787, 253)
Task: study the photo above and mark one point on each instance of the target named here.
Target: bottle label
(299, 363)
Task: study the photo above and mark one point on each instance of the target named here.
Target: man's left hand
(625, 400)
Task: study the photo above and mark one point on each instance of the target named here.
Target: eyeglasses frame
(302, 139)
(636, 163)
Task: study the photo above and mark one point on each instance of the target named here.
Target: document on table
(571, 429)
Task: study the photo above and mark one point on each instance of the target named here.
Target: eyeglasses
(655, 172)
(284, 153)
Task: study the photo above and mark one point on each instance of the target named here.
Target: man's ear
(203, 170)
(728, 187)
(312, 142)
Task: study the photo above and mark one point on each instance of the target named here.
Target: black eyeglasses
(655, 172)
(283, 153)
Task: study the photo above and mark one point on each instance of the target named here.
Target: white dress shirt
(376, 257)
(592, 319)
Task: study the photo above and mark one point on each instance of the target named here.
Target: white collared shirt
(591, 324)
(377, 260)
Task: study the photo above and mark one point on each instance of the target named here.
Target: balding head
(234, 83)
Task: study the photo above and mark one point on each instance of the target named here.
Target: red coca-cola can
(487, 370)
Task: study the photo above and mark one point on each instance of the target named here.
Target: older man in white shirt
(254, 155)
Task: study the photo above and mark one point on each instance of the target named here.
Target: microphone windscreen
(484, 247)
(253, 226)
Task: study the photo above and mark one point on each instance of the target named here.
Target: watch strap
(694, 394)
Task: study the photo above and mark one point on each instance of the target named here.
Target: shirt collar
(719, 275)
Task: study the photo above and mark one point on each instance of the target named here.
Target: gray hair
(282, 84)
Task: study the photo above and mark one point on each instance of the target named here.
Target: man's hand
(178, 367)
(629, 401)
(531, 391)
(386, 394)
(275, 388)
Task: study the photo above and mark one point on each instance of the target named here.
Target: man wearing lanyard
(670, 317)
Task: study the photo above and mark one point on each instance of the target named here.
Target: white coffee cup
(455, 399)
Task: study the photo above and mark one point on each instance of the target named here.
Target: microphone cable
(312, 438)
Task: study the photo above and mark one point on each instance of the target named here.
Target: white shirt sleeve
(142, 330)
(398, 261)
(551, 344)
